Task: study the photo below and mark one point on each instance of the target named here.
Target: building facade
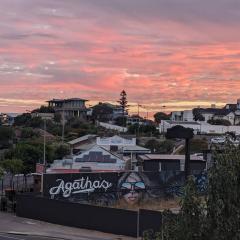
(96, 159)
(72, 107)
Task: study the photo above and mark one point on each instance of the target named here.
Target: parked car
(218, 140)
(200, 155)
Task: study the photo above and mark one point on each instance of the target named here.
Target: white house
(122, 145)
(96, 159)
(186, 115)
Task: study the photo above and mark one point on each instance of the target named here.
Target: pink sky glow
(176, 53)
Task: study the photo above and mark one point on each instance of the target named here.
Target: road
(22, 237)
(4, 236)
(28, 229)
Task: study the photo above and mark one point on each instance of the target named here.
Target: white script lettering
(82, 185)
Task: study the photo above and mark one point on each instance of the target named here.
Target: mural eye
(140, 185)
(126, 185)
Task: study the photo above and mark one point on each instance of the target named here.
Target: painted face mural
(132, 188)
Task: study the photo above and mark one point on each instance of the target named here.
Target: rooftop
(181, 122)
(67, 100)
(81, 139)
(159, 157)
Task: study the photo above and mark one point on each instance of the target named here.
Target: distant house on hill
(230, 113)
(71, 107)
(7, 118)
(123, 146)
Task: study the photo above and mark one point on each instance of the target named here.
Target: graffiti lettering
(82, 185)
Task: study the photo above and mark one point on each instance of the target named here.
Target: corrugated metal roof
(168, 157)
(81, 139)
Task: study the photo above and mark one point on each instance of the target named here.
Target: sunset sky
(174, 53)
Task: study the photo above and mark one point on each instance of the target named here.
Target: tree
(29, 153)
(61, 151)
(197, 114)
(29, 133)
(121, 121)
(1, 172)
(191, 216)
(35, 122)
(223, 205)
(44, 109)
(12, 166)
(102, 112)
(57, 117)
(22, 120)
(159, 116)
(189, 223)
(6, 136)
(123, 102)
(219, 219)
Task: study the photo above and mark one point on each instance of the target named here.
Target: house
(122, 146)
(71, 107)
(96, 159)
(225, 114)
(186, 115)
(165, 162)
(82, 144)
(136, 119)
(7, 119)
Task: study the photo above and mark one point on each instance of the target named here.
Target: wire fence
(10, 186)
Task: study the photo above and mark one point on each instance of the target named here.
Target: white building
(122, 146)
(96, 159)
(186, 115)
(200, 127)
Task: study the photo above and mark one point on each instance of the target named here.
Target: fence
(9, 186)
(110, 220)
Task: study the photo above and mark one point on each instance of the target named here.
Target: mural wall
(110, 188)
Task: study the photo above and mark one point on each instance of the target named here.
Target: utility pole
(44, 146)
(63, 126)
(44, 154)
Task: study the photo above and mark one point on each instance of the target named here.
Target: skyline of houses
(230, 112)
(106, 113)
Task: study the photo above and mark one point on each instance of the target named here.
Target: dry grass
(157, 205)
